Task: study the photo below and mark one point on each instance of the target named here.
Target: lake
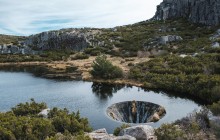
(91, 99)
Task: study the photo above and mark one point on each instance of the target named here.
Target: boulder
(125, 137)
(215, 45)
(44, 112)
(140, 132)
(215, 36)
(15, 50)
(100, 134)
(169, 38)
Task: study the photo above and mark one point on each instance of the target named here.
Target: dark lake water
(91, 99)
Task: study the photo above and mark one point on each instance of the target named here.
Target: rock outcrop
(44, 113)
(101, 134)
(169, 38)
(215, 39)
(205, 12)
(140, 132)
(74, 39)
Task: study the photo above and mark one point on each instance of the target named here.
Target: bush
(71, 69)
(195, 126)
(102, 68)
(80, 56)
(25, 126)
(192, 76)
(215, 108)
(32, 108)
(169, 132)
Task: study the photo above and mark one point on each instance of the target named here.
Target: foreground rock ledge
(139, 132)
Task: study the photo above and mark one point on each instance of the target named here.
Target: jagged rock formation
(136, 112)
(74, 39)
(140, 132)
(205, 12)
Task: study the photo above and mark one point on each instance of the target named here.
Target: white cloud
(25, 17)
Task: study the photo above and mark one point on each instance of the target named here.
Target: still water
(91, 99)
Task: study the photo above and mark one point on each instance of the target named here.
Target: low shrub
(103, 68)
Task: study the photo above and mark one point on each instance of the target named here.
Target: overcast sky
(25, 17)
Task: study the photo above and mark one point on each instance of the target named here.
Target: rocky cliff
(205, 12)
(75, 39)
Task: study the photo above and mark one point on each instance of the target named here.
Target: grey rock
(215, 36)
(74, 39)
(125, 137)
(205, 12)
(140, 132)
(215, 45)
(100, 134)
(44, 112)
(14, 50)
(103, 130)
(169, 38)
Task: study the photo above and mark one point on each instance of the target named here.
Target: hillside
(7, 39)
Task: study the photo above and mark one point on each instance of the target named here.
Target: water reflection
(35, 70)
(105, 91)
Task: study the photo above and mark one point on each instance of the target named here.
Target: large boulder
(44, 113)
(125, 137)
(169, 38)
(140, 132)
(101, 134)
(215, 36)
(215, 45)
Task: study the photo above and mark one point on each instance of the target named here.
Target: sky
(26, 17)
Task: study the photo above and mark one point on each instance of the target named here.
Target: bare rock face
(74, 39)
(140, 132)
(205, 12)
(125, 137)
(101, 134)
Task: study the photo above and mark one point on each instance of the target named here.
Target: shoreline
(57, 70)
(69, 76)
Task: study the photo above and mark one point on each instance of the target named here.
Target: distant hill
(179, 26)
